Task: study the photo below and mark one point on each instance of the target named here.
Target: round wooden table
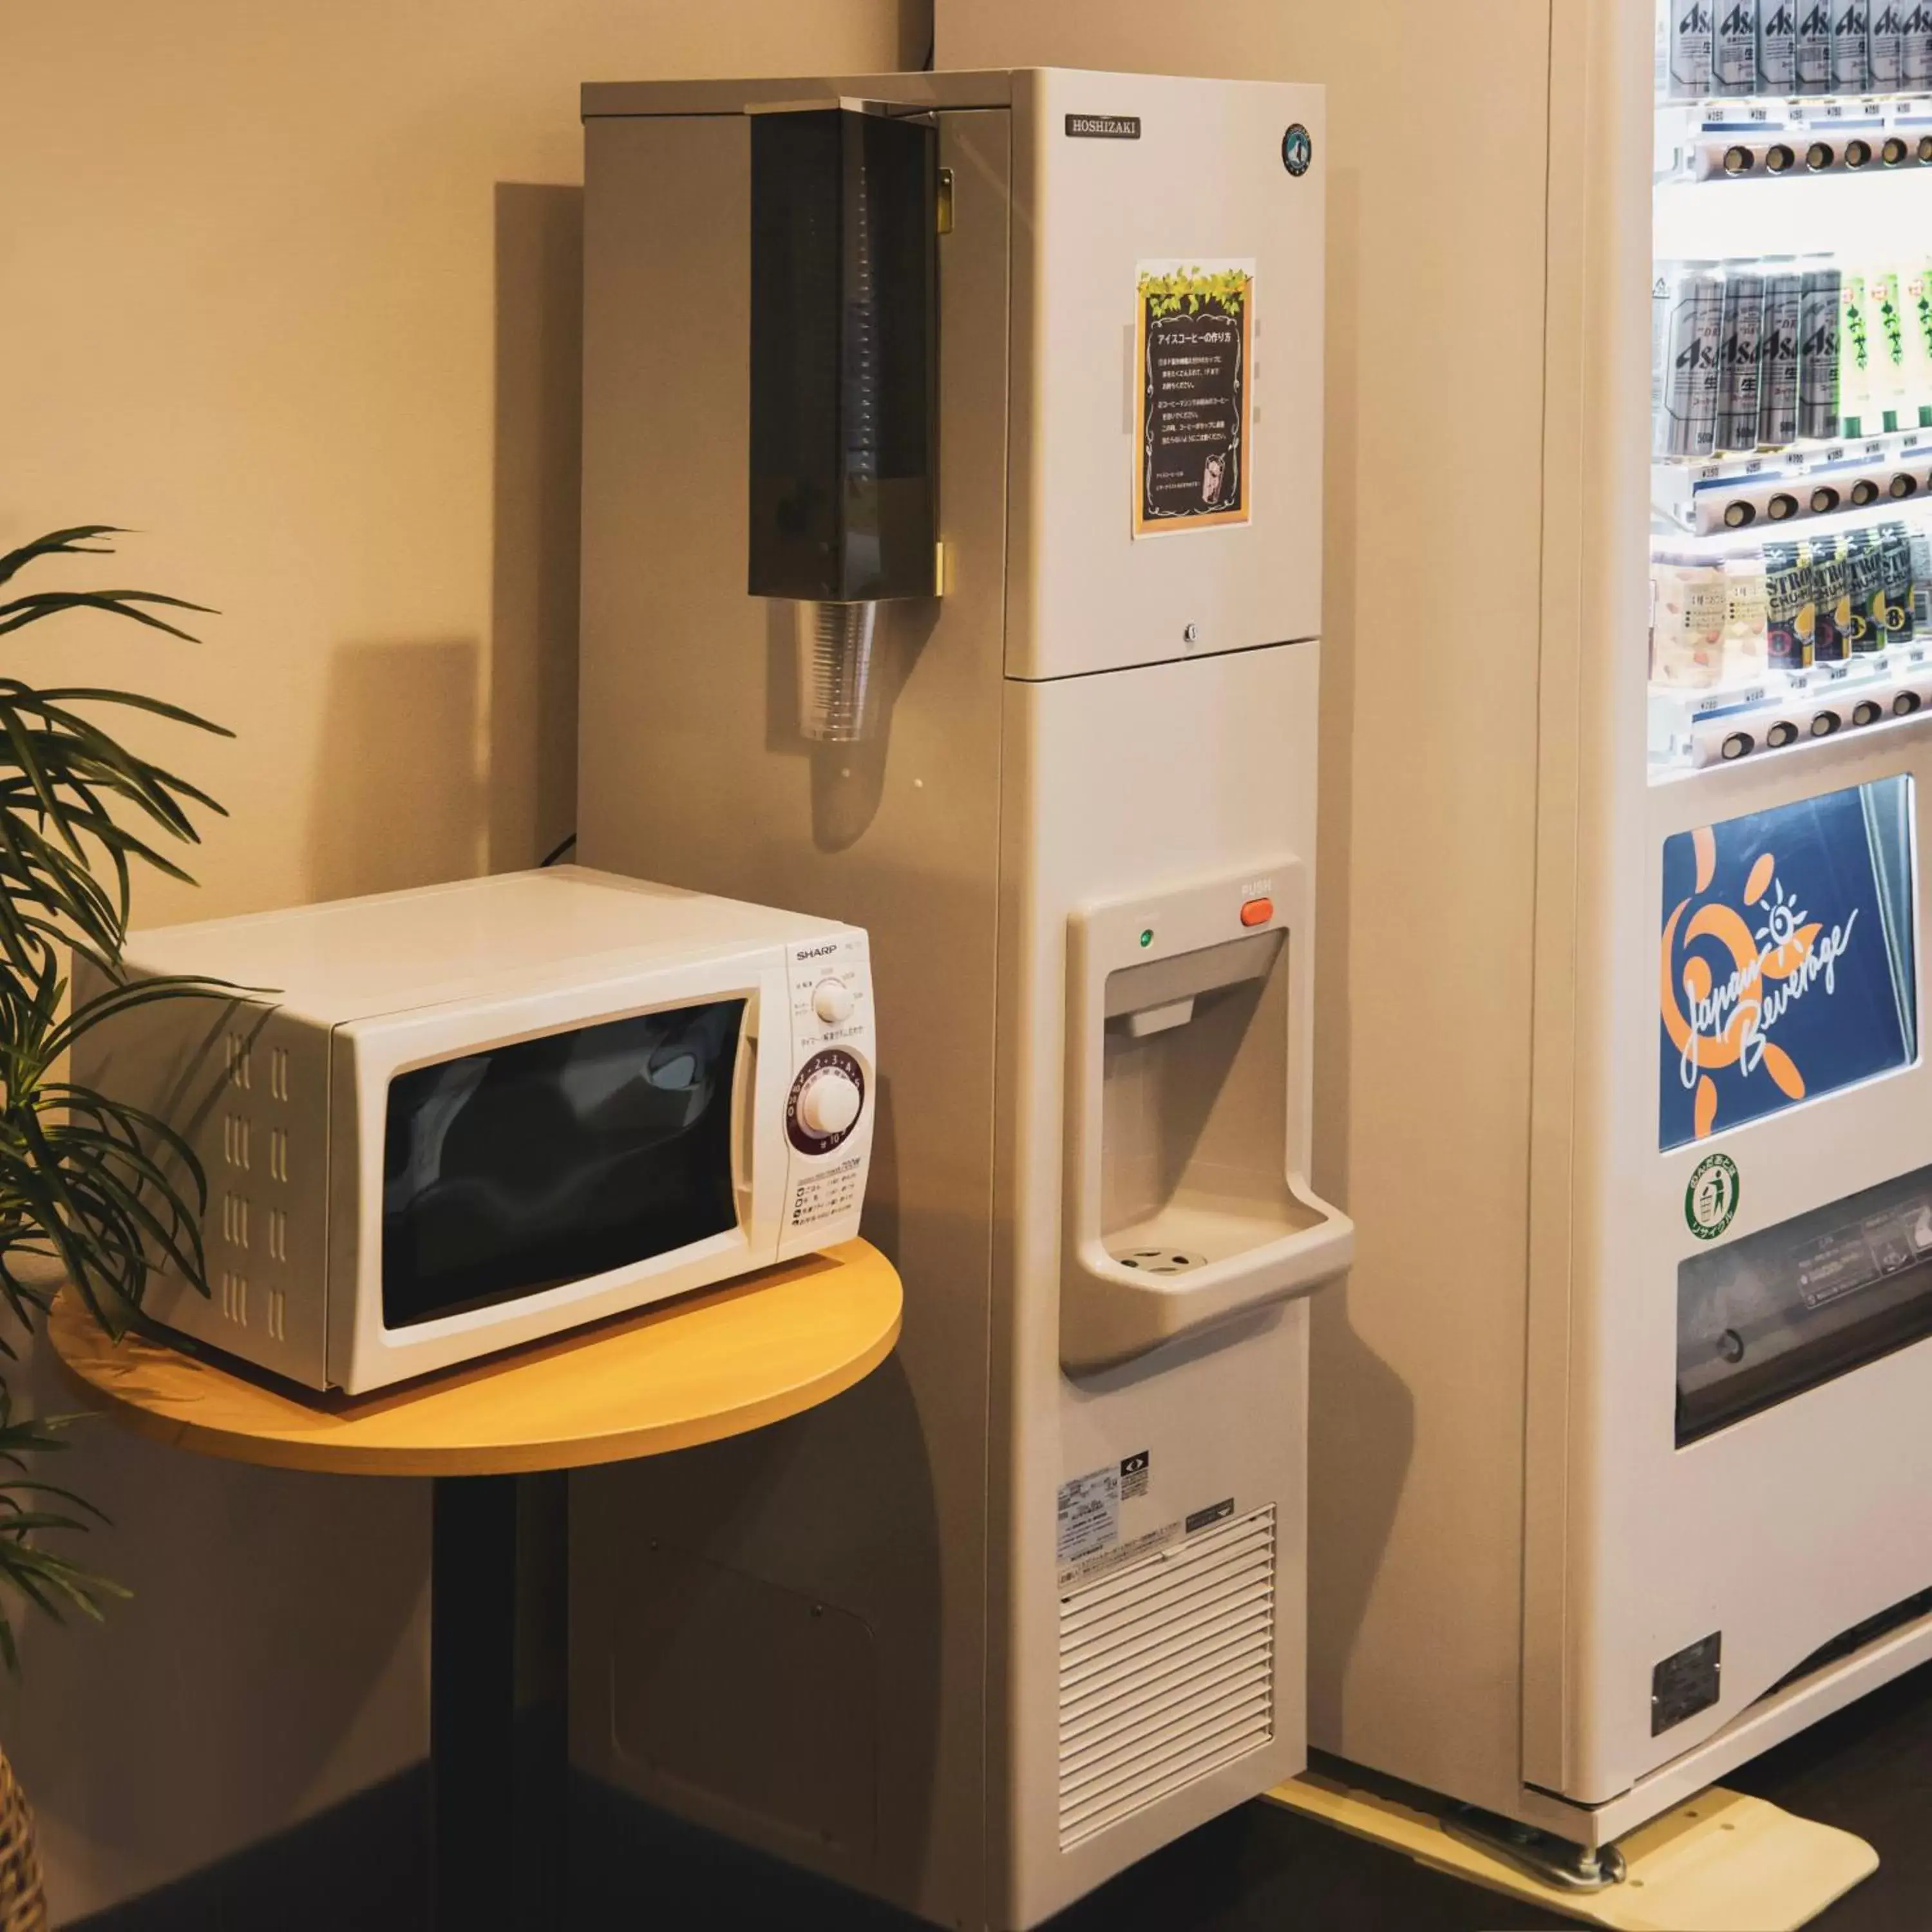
(497, 1438)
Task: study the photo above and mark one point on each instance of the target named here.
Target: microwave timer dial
(832, 1001)
(826, 1100)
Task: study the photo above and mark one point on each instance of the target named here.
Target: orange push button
(1258, 912)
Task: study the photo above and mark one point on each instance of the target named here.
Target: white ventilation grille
(1166, 1672)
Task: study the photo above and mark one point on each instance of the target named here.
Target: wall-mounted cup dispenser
(1187, 1088)
(844, 387)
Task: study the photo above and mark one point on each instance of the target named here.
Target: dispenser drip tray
(1158, 1261)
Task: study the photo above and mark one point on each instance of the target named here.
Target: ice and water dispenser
(1004, 644)
(1186, 1187)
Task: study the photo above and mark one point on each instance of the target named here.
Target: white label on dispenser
(1088, 1515)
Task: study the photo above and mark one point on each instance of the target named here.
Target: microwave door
(553, 1160)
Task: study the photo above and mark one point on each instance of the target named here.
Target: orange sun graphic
(1775, 951)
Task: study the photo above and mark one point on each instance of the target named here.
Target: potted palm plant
(93, 1193)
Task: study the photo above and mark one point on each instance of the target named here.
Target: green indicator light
(1147, 937)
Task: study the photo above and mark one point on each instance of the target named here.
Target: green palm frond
(105, 1190)
(75, 802)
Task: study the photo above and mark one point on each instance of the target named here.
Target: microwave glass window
(507, 1172)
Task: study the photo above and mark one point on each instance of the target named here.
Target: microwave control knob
(829, 1104)
(832, 1001)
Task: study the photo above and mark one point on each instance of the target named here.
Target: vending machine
(1622, 1425)
(952, 515)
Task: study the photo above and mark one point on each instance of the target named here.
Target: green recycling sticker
(1711, 1201)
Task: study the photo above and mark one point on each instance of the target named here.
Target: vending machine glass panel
(1787, 967)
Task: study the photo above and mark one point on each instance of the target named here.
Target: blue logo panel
(1786, 966)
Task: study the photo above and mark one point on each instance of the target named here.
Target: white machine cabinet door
(1111, 171)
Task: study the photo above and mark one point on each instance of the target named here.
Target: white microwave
(460, 1118)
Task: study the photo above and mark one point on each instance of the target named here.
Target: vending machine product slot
(1781, 1311)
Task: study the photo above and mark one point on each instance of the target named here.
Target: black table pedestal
(499, 1705)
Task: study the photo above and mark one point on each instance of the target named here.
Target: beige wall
(292, 291)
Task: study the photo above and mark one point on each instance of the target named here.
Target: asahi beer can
(1885, 47)
(1901, 625)
(1687, 326)
(1864, 589)
(1851, 46)
(1690, 49)
(1917, 57)
(1776, 27)
(1818, 351)
(1811, 46)
(1739, 342)
(1778, 354)
(1734, 46)
(1831, 597)
(1791, 607)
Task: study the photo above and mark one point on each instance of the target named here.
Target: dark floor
(1260, 1869)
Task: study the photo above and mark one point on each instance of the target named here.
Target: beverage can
(1917, 299)
(1818, 351)
(1790, 606)
(1851, 46)
(1854, 365)
(1921, 582)
(1900, 623)
(1739, 342)
(1864, 591)
(1689, 608)
(1776, 27)
(1687, 324)
(1734, 46)
(1917, 57)
(1890, 381)
(1884, 46)
(1811, 46)
(1747, 616)
(1832, 598)
(1778, 354)
(1690, 49)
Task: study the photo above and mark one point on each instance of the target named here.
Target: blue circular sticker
(1298, 151)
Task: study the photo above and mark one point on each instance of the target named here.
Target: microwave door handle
(744, 1122)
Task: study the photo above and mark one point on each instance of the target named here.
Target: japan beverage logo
(1785, 967)
(1697, 19)
(1741, 21)
(1780, 24)
(1817, 23)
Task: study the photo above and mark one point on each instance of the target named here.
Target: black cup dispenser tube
(845, 509)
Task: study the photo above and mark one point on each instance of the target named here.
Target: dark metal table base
(498, 1704)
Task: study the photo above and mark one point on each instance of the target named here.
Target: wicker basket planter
(23, 1905)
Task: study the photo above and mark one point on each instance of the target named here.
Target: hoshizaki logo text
(1105, 127)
